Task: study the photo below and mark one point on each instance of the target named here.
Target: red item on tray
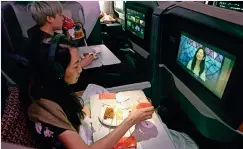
(144, 105)
(126, 143)
(107, 96)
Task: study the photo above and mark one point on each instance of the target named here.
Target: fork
(100, 125)
(102, 119)
(110, 125)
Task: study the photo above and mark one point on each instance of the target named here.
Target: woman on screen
(197, 64)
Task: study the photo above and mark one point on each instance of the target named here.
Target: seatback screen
(210, 65)
(135, 22)
(237, 6)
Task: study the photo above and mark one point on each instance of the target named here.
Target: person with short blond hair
(43, 11)
(49, 19)
(47, 15)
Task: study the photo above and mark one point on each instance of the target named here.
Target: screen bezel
(218, 38)
(147, 11)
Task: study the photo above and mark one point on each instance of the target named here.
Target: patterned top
(46, 136)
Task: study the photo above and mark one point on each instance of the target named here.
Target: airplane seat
(26, 21)
(91, 11)
(88, 14)
(12, 34)
(14, 128)
(14, 102)
(16, 21)
(74, 8)
(140, 59)
(14, 120)
(167, 82)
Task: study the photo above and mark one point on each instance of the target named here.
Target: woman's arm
(72, 140)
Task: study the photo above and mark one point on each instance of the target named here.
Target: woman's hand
(139, 115)
(86, 61)
(66, 33)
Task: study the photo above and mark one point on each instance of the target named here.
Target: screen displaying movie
(135, 22)
(206, 63)
(232, 5)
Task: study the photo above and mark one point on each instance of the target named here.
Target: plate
(115, 121)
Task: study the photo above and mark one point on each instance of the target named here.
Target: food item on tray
(85, 54)
(107, 96)
(144, 105)
(78, 31)
(107, 18)
(126, 142)
(119, 114)
(92, 54)
(78, 34)
(109, 113)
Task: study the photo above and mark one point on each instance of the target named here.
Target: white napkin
(92, 89)
(85, 132)
(121, 98)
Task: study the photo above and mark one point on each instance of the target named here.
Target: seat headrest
(11, 27)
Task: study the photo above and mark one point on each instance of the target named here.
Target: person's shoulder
(34, 32)
(50, 103)
(45, 104)
(49, 112)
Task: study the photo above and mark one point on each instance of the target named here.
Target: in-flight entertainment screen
(135, 22)
(232, 5)
(210, 65)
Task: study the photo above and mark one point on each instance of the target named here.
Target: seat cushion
(14, 128)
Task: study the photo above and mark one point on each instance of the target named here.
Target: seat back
(76, 10)
(23, 16)
(26, 21)
(87, 15)
(12, 33)
(91, 11)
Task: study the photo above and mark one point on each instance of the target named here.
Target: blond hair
(41, 9)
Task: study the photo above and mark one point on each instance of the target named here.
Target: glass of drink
(144, 102)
